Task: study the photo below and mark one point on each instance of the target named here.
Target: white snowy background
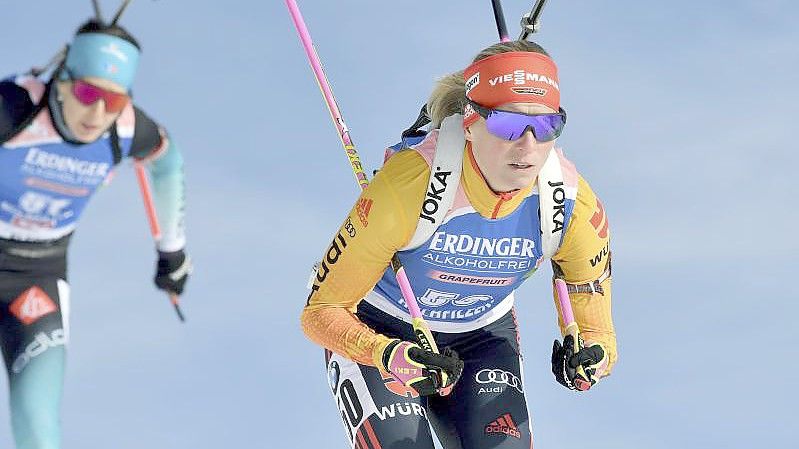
(681, 116)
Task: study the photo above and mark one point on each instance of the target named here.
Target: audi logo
(498, 376)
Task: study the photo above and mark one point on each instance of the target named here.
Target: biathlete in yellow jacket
(471, 209)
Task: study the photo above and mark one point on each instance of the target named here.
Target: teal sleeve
(166, 173)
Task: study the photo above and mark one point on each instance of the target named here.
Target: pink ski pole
(420, 327)
(572, 328)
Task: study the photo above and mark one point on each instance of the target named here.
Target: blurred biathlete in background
(471, 208)
(61, 140)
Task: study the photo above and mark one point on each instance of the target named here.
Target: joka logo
(363, 207)
(31, 305)
(397, 387)
(333, 253)
(503, 424)
(599, 219)
(559, 209)
(431, 205)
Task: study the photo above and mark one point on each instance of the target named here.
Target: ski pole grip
(567, 314)
(563, 299)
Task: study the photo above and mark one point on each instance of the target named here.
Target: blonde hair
(449, 93)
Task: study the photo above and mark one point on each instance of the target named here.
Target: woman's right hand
(420, 369)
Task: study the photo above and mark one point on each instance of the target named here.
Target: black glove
(565, 363)
(172, 271)
(420, 369)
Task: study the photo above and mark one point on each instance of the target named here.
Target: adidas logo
(504, 424)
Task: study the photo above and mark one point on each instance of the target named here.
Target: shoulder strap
(445, 176)
(116, 149)
(552, 204)
(28, 119)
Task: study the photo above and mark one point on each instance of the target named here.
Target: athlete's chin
(516, 181)
(87, 135)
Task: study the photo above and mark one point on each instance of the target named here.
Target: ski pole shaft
(147, 196)
(499, 18)
(327, 93)
(120, 11)
(530, 22)
(175, 300)
(420, 327)
(152, 217)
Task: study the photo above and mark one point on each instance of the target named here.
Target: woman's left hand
(172, 271)
(565, 364)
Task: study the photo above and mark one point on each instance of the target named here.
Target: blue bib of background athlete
(46, 186)
(470, 264)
